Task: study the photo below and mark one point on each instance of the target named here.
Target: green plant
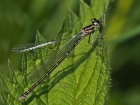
(83, 78)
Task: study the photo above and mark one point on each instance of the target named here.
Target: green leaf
(11, 88)
(82, 78)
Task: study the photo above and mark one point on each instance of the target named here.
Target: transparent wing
(52, 60)
(34, 46)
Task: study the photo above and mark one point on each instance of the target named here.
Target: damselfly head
(96, 22)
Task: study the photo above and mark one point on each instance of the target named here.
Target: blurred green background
(20, 19)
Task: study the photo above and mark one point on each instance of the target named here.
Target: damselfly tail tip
(21, 98)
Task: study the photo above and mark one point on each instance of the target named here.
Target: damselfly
(59, 56)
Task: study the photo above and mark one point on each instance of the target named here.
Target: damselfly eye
(93, 20)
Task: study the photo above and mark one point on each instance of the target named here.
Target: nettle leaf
(81, 79)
